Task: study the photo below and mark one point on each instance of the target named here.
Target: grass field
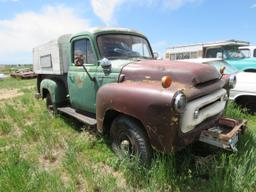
(39, 152)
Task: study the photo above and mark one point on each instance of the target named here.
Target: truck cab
(227, 50)
(108, 78)
(233, 55)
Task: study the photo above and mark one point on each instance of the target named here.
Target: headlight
(232, 81)
(180, 102)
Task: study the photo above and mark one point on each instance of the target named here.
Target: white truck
(244, 93)
(218, 49)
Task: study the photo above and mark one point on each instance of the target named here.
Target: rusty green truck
(109, 78)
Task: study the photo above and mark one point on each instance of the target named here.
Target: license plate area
(225, 134)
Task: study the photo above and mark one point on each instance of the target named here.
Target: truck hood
(243, 63)
(190, 74)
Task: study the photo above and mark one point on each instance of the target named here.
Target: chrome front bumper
(225, 135)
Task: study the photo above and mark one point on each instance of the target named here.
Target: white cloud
(9, 1)
(29, 29)
(105, 10)
(176, 4)
(253, 6)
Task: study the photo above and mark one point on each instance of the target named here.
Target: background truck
(227, 50)
(108, 78)
(248, 51)
(244, 93)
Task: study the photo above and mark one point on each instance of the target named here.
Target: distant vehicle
(244, 93)
(3, 76)
(217, 63)
(227, 50)
(23, 74)
(248, 51)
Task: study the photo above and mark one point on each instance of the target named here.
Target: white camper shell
(52, 57)
(199, 50)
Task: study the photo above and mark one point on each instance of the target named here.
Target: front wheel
(129, 139)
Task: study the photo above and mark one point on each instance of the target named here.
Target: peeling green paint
(56, 90)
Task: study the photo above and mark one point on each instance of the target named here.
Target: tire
(129, 139)
(51, 107)
(247, 102)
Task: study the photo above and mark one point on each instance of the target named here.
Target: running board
(83, 118)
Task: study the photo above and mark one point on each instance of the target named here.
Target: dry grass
(39, 152)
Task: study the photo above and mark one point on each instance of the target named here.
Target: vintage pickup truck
(108, 78)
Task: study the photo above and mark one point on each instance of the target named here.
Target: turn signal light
(222, 69)
(166, 81)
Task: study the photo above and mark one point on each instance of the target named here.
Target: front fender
(56, 90)
(149, 103)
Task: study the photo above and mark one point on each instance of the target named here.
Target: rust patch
(79, 81)
(238, 126)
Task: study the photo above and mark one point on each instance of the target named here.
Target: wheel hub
(125, 146)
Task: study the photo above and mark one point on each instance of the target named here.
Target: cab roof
(213, 44)
(103, 30)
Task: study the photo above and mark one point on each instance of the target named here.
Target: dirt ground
(9, 93)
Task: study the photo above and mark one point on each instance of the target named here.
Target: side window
(254, 53)
(82, 52)
(245, 52)
(214, 53)
(90, 56)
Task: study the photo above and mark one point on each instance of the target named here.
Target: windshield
(232, 52)
(123, 47)
(229, 69)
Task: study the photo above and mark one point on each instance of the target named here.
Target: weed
(5, 127)
(39, 152)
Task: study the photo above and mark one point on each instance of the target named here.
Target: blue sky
(25, 24)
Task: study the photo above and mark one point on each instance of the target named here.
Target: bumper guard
(225, 135)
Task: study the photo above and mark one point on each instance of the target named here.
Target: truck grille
(200, 109)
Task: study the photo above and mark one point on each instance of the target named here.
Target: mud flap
(225, 134)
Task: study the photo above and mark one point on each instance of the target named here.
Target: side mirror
(156, 55)
(105, 63)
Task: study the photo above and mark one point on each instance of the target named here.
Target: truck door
(82, 90)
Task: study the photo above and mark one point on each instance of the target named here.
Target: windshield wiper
(115, 58)
(141, 57)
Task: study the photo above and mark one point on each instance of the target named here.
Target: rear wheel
(51, 107)
(129, 139)
(247, 102)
